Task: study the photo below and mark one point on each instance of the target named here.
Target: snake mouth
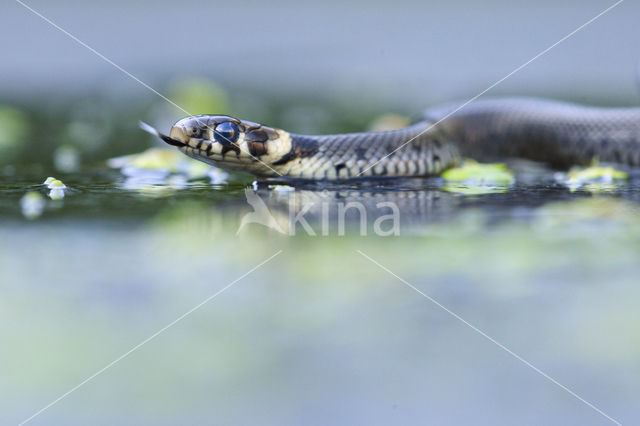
(170, 141)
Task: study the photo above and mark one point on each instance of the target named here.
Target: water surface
(319, 334)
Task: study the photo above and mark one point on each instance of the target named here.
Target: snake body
(558, 133)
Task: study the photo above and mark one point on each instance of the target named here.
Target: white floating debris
(56, 194)
(53, 183)
(56, 186)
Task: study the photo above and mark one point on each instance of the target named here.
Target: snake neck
(417, 150)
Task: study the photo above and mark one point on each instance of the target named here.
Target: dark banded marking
(231, 147)
(291, 155)
(257, 149)
(301, 147)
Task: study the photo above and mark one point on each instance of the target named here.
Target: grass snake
(557, 133)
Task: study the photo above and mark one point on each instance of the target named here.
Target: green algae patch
(473, 178)
(594, 179)
(167, 161)
(472, 172)
(595, 174)
(151, 159)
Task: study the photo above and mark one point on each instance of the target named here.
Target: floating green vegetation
(151, 159)
(594, 178)
(473, 178)
(472, 172)
(166, 161)
(595, 174)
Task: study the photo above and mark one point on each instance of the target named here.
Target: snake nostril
(196, 133)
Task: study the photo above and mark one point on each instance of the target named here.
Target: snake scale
(558, 133)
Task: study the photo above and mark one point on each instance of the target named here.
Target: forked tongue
(151, 130)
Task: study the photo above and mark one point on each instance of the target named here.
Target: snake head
(223, 141)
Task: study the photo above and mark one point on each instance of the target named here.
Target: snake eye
(226, 133)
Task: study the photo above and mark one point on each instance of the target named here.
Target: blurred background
(133, 236)
(306, 67)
